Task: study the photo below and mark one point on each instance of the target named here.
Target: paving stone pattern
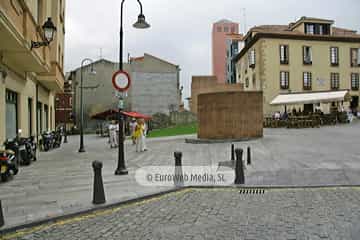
(281, 214)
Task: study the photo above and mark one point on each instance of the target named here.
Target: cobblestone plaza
(281, 214)
(61, 182)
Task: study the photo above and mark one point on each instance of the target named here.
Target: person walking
(112, 134)
(140, 135)
(143, 136)
(132, 130)
(137, 135)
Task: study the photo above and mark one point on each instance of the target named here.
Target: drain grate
(254, 191)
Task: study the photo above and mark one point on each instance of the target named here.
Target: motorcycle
(27, 150)
(8, 164)
(58, 138)
(47, 141)
(13, 145)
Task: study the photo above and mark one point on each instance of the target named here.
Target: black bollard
(2, 222)
(232, 152)
(99, 194)
(239, 168)
(179, 178)
(248, 156)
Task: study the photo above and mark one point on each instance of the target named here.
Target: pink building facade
(220, 33)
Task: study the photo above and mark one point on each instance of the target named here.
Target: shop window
(11, 114)
(30, 116)
(39, 118)
(46, 117)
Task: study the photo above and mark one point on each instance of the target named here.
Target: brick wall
(222, 117)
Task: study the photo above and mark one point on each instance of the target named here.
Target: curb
(87, 211)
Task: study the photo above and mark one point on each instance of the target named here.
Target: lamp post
(82, 149)
(140, 24)
(67, 103)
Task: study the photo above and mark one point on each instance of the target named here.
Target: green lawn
(174, 131)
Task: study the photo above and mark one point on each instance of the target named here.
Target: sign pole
(121, 81)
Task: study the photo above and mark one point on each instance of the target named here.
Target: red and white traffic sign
(121, 81)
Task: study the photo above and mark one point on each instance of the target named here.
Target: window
(284, 54)
(309, 28)
(334, 56)
(11, 114)
(30, 116)
(254, 80)
(46, 113)
(252, 58)
(218, 29)
(70, 102)
(39, 118)
(321, 29)
(307, 80)
(51, 116)
(307, 55)
(247, 82)
(355, 57)
(284, 80)
(232, 29)
(355, 81)
(334, 81)
(226, 29)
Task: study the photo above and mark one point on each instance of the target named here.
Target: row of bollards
(99, 193)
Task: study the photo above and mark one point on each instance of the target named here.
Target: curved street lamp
(140, 24)
(82, 148)
(49, 34)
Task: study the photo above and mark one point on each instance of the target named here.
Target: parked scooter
(13, 145)
(27, 148)
(58, 138)
(8, 164)
(47, 141)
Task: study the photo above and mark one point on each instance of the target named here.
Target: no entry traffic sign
(121, 81)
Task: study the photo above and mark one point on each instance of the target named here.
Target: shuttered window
(334, 56)
(307, 53)
(307, 77)
(252, 58)
(284, 54)
(284, 80)
(355, 81)
(335, 81)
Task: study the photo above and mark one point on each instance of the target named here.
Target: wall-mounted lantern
(49, 33)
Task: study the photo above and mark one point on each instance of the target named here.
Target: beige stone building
(310, 55)
(29, 78)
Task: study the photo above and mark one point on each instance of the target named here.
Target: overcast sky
(181, 29)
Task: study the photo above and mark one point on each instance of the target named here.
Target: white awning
(308, 98)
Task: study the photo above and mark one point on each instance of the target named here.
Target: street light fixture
(140, 24)
(82, 148)
(49, 34)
